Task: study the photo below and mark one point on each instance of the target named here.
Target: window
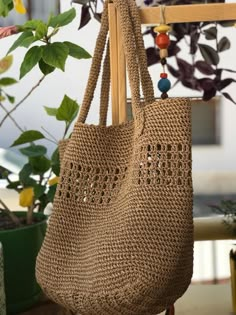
(205, 121)
(36, 9)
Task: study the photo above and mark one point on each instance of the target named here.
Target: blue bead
(164, 85)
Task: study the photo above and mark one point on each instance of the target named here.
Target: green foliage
(55, 162)
(5, 7)
(40, 167)
(51, 111)
(7, 81)
(40, 164)
(45, 68)
(31, 59)
(34, 150)
(55, 55)
(28, 136)
(48, 55)
(41, 171)
(68, 110)
(24, 40)
(63, 18)
(77, 51)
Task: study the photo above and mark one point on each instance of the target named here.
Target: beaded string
(163, 41)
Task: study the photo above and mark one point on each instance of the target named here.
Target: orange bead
(163, 75)
(162, 41)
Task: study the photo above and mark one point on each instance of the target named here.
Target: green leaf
(10, 98)
(63, 18)
(55, 162)
(34, 150)
(41, 30)
(25, 172)
(39, 191)
(7, 81)
(209, 54)
(24, 176)
(13, 185)
(5, 63)
(45, 68)
(39, 164)
(77, 51)
(31, 25)
(28, 136)
(24, 40)
(51, 111)
(223, 44)
(67, 110)
(5, 7)
(211, 33)
(55, 55)
(51, 192)
(31, 58)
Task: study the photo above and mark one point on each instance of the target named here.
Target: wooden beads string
(162, 41)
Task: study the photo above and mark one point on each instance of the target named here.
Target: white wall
(31, 115)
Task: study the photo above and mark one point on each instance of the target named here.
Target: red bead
(162, 41)
(163, 75)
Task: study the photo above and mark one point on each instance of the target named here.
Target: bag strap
(105, 88)
(95, 67)
(147, 85)
(146, 80)
(134, 49)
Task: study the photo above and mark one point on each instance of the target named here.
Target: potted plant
(22, 232)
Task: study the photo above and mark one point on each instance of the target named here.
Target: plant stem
(22, 100)
(13, 119)
(216, 40)
(8, 212)
(30, 211)
(55, 140)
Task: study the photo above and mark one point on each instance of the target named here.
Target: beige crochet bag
(120, 238)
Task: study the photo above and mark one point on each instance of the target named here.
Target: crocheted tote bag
(120, 238)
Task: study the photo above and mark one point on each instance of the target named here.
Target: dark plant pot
(20, 249)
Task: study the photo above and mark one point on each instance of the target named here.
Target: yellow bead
(26, 197)
(162, 28)
(53, 181)
(163, 53)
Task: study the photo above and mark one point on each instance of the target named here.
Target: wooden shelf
(190, 13)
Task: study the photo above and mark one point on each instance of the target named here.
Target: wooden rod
(210, 229)
(121, 74)
(190, 13)
(114, 63)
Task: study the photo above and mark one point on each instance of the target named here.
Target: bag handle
(146, 80)
(134, 47)
(95, 67)
(105, 88)
(147, 84)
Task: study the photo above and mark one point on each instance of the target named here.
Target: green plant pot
(20, 249)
